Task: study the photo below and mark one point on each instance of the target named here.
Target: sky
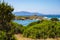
(40, 6)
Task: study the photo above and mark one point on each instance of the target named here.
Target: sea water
(24, 22)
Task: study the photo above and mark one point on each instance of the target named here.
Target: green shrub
(33, 23)
(2, 35)
(46, 29)
(17, 28)
(54, 19)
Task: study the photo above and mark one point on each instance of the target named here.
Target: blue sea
(52, 16)
(26, 22)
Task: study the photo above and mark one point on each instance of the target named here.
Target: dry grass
(20, 37)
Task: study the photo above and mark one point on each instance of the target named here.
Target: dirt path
(20, 37)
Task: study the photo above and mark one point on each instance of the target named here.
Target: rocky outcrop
(28, 17)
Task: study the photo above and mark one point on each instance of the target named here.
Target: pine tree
(6, 16)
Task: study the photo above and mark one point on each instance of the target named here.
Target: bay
(24, 22)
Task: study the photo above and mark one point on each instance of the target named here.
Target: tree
(5, 13)
(54, 19)
(5, 18)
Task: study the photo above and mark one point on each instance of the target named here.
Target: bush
(46, 29)
(54, 19)
(17, 28)
(2, 35)
(33, 23)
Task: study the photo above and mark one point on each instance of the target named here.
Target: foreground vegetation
(41, 29)
(44, 29)
(5, 22)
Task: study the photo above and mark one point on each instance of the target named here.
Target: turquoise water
(24, 22)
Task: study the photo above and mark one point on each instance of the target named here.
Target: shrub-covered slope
(45, 29)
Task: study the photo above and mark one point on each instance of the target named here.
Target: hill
(24, 13)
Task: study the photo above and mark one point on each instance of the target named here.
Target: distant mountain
(24, 13)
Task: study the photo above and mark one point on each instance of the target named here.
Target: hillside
(24, 13)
